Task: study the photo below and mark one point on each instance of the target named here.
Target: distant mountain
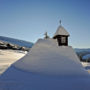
(83, 54)
(82, 50)
(16, 41)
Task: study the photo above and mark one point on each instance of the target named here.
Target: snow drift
(48, 58)
(46, 67)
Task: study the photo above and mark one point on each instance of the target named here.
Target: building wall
(59, 39)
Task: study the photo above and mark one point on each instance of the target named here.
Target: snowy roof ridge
(61, 31)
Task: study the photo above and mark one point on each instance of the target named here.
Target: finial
(60, 22)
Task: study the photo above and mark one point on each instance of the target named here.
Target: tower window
(63, 39)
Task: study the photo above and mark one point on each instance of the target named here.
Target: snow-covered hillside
(48, 58)
(46, 67)
(86, 57)
(7, 57)
(16, 41)
(82, 50)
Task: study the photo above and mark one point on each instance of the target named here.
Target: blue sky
(30, 19)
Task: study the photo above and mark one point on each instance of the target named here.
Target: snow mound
(46, 57)
(46, 67)
(15, 79)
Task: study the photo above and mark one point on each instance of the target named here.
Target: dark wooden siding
(58, 37)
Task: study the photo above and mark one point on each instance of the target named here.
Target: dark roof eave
(61, 35)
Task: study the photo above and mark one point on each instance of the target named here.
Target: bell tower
(61, 35)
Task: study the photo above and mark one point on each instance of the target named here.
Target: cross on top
(46, 35)
(60, 22)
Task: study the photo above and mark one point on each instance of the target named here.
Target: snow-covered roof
(86, 56)
(61, 31)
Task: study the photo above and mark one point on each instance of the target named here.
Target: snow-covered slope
(87, 56)
(16, 41)
(46, 67)
(49, 58)
(7, 57)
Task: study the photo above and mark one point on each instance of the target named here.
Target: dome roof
(61, 31)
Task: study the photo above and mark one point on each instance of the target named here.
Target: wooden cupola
(62, 36)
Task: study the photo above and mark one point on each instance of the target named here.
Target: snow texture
(61, 31)
(46, 67)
